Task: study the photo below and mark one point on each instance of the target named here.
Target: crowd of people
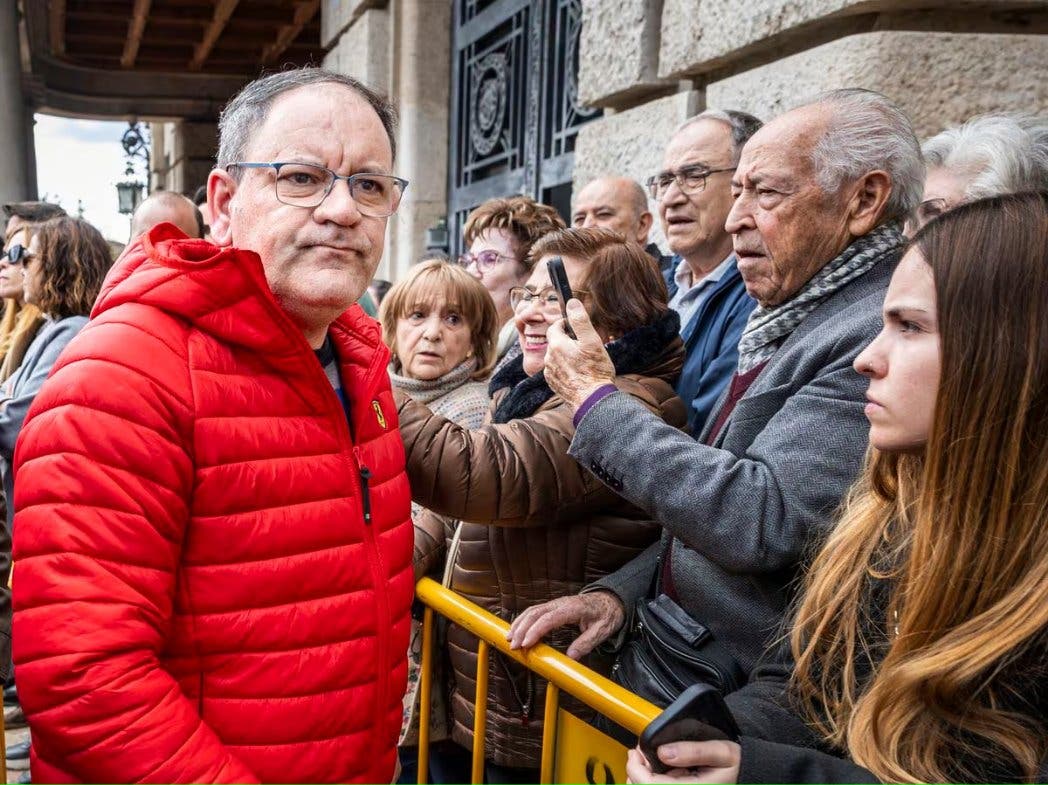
(802, 457)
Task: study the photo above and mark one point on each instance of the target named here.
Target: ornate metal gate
(514, 110)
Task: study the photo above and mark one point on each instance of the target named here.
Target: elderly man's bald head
(169, 207)
(616, 203)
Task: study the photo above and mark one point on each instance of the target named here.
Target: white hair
(868, 132)
(1001, 153)
(741, 124)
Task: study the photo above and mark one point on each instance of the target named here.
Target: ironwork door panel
(514, 103)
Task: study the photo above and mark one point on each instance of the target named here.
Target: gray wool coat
(744, 513)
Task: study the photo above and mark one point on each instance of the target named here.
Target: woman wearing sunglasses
(20, 321)
(62, 271)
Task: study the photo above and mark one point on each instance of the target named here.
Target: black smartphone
(559, 278)
(699, 714)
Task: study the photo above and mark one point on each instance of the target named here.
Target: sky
(81, 161)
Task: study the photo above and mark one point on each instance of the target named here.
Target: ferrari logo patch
(379, 415)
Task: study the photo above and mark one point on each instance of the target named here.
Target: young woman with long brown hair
(920, 642)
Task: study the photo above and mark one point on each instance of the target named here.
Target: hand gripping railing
(599, 693)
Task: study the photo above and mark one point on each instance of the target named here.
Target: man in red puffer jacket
(213, 529)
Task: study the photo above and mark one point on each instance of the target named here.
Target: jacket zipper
(378, 580)
(365, 492)
(374, 556)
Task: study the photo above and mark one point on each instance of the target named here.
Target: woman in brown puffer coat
(536, 525)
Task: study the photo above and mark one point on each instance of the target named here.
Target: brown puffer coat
(540, 526)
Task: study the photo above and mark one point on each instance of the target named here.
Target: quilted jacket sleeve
(517, 473)
(104, 479)
(511, 474)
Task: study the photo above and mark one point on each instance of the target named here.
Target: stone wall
(941, 60)
(651, 64)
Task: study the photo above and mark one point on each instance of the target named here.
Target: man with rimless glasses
(214, 528)
(693, 194)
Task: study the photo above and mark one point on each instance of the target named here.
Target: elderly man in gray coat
(820, 195)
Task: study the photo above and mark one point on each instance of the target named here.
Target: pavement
(13, 737)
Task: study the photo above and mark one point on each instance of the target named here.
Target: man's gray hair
(246, 112)
(741, 124)
(1002, 153)
(868, 132)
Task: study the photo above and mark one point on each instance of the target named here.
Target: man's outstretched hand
(598, 614)
(575, 368)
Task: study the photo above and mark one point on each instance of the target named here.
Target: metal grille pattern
(514, 114)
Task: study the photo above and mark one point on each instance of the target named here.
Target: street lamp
(129, 192)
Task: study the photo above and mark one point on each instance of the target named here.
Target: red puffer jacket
(200, 596)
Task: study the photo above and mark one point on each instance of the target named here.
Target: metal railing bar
(599, 693)
(549, 734)
(425, 691)
(480, 711)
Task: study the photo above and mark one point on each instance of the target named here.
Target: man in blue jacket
(693, 193)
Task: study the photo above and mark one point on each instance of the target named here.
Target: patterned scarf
(768, 328)
(425, 391)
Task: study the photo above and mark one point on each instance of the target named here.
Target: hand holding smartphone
(559, 278)
(699, 714)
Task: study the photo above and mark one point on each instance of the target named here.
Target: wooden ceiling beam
(139, 17)
(58, 27)
(305, 10)
(223, 11)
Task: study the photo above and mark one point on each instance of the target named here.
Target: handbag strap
(710, 644)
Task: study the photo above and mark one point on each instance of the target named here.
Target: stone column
(182, 156)
(421, 85)
(15, 148)
(199, 145)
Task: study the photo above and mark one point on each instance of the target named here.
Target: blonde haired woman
(921, 637)
(440, 325)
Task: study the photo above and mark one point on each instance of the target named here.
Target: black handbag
(667, 651)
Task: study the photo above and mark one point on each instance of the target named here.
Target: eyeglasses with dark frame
(690, 179)
(307, 185)
(16, 254)
(521, 296)
(484, 260)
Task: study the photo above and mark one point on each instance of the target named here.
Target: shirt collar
(682, 274)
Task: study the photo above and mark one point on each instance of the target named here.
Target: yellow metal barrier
(566, 740)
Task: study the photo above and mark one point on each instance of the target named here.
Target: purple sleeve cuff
(594, 398)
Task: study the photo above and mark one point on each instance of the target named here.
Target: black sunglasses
(15, 254)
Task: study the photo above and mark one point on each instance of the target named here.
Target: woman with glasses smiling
(499, 235)
(537, 525)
